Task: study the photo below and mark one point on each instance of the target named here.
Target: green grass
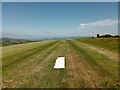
(15, 57)
(30, 65)
(108, 69)
(107, 43)
(46, 77)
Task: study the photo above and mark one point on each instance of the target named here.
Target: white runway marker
(60, 63)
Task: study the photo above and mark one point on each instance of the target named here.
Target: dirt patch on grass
(109, 54)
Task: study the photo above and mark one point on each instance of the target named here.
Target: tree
(98, 35)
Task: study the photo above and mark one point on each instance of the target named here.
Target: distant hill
(10, 41)
(7, 41)
(0, 40)
(58, 38)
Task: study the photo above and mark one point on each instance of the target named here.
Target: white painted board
(60, 63)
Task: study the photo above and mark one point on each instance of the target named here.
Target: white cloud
(22, 35)
(100, 23)
(83, 25)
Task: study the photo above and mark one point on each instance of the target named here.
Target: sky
(58, 19)
(0, 19)
(60, 0)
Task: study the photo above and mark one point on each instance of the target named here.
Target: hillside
(9, 41)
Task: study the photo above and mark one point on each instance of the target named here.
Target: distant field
(90, 63)
(107, 43)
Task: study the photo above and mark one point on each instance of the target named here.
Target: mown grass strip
(83, 71)
(106, 43)
(33, 66)
(109, 77)
(18, 50)
(26, 54)
(47, 76)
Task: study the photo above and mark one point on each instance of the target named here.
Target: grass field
(90, 63)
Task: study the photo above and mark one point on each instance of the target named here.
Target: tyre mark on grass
(105, 52)
(72, 66)
(108, 77)
(83, 75)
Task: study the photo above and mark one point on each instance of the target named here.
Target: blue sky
(39, 20)
(60, 0)
(0, 19)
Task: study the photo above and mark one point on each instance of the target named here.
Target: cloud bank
(100, 23)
